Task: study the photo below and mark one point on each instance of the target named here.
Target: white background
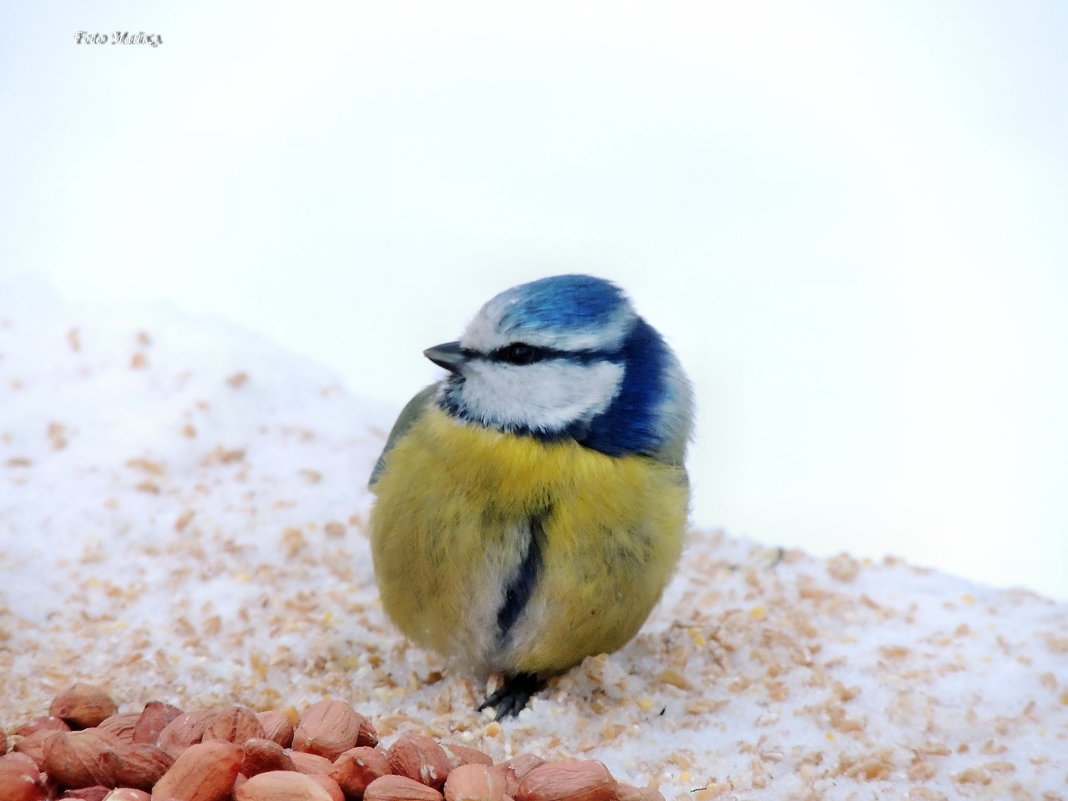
(850, 219)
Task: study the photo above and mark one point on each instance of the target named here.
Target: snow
(181, 518)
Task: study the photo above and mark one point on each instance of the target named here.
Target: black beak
(447, 355)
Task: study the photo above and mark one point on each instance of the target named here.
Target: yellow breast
(451, 526)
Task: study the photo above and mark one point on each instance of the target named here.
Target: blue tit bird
(531, 506)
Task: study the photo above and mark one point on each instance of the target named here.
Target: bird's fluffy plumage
(531, 505)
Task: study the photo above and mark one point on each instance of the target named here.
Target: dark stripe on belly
(521, 585)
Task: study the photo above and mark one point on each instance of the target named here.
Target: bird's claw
(511, 697)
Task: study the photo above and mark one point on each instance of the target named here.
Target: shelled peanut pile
(85, 749)
(182, 514)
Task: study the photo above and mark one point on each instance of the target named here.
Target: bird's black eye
(519, 353)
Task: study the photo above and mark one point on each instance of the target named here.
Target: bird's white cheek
(547, 396)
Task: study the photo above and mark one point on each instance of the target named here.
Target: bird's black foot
(513, 694)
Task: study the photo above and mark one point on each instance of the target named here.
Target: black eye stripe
(520, 353)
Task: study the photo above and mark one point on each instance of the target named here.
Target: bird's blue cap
(574, 301)
(567, 312)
